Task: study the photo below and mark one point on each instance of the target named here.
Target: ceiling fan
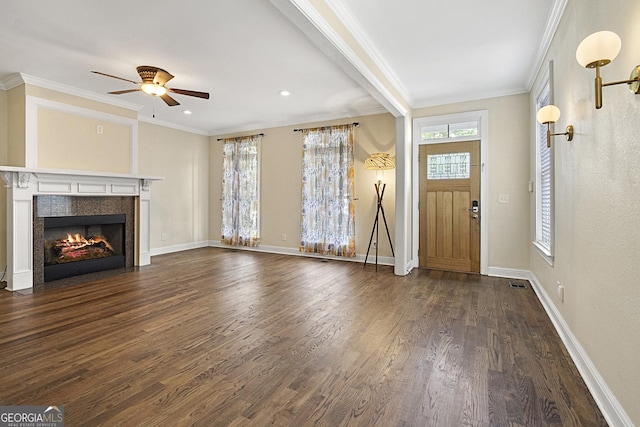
(153, 83)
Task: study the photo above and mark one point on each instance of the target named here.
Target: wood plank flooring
(216, 337)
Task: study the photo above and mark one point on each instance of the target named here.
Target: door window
(449, 166)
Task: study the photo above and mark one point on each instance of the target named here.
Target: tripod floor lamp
(379, 162)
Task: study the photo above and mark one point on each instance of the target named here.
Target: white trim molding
(171, 125)
(25, 183)
(343, 13)
(18, 79)
(310, 21)
(34, 104)
(557, 10)
(281, 250)
(611, 409)
(482, 116)
(179, 248)
(509, 273)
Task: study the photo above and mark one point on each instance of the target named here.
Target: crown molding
(18, 79)
(343, 12)
(553, 22)
(299, 120)
(432, 102)
(171, 125)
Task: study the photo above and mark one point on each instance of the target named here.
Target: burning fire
(76, 247)
(78, 241)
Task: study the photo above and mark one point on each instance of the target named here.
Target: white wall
(597, 199)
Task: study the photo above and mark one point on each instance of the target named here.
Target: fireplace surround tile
(56, 206)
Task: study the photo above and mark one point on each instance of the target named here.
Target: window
(449, 131)
(544, 177)
(449, 166)
(241, 191)
(328, 209)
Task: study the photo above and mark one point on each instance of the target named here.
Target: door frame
(482, 117)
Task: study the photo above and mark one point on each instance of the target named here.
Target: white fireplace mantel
(25, 183)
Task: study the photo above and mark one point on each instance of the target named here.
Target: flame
(77, 238)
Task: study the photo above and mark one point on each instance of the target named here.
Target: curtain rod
(240, 137)
(356, 124)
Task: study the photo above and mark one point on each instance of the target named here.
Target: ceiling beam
(326, 30)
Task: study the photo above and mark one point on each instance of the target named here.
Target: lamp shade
(598, 49)
(548, 114)
(380, 161)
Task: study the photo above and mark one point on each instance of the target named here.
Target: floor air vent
(519, 285)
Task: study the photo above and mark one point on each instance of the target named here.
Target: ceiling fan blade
(115, 77)
(169, 100)
(120, 92)
(162, 77)
(204, 95)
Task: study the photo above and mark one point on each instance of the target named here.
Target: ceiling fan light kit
(153, 89)
(153, 83)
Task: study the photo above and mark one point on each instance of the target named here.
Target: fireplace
(75, 245)
(74, 235)
(34, 195)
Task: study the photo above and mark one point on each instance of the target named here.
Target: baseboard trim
(510, 273)
(178, 248)
(294, 251)
(610, 407)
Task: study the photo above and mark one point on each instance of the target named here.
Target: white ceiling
(245, 52)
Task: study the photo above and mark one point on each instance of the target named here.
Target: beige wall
(69, 141)
(597, 199)
(281, 178)
(4, 148)
(66, 139)
(16, 126)
(508, 173)
(179, 207)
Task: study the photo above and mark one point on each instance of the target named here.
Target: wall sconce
(599, 49)
(550, 114)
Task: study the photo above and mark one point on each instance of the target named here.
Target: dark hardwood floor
(216, 337)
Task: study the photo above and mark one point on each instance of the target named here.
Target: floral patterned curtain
(241, 192)
(328, 209)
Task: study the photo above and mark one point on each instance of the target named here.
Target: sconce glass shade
(598, 49)
(548, 114)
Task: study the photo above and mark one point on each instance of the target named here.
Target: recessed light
(285, 93)
(186, 111)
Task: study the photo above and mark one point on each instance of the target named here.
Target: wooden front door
(450, 206)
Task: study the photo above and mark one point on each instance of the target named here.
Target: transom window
(449, 131)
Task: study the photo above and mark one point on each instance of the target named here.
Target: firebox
(75, 245)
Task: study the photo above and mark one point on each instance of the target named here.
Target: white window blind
(544, 181)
